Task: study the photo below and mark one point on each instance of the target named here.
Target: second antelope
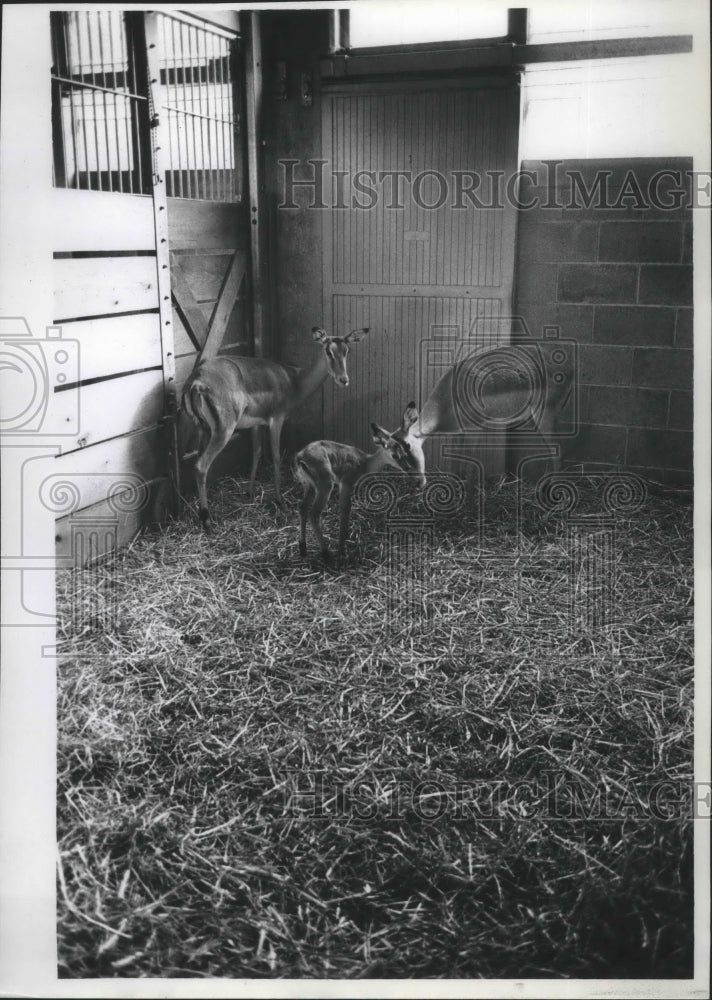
(501, 389)
(322, 465)
(227, 394)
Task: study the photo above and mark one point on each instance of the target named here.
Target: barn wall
(618, 281)
(106, 305)
(293, 131)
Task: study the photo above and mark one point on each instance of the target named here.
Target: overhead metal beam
(499, 55)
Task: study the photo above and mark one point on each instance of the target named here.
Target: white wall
(641, 106)
(567, 21)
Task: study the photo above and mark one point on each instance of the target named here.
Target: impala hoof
(205, 519)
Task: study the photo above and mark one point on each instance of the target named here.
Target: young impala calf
(324, 464)
(228, 394)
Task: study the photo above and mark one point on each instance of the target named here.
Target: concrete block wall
(614, 272)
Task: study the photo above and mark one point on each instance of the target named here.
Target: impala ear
(356, 335)
(319, 335)
(410, 415)
(379, 435)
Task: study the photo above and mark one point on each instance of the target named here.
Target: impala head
(404, 448)
(336, 350)
(411, 444)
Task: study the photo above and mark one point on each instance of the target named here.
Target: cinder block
(628, 406)
(640, 241)
(605, 365)
(687, 244)
(684, 328)
(665, 284)
(652, 326)
(563, 241)
(665, 449)
(601, 444)
(681, 410)
(597, 283)
(662, 368)
(536, 316)
(537, 206)
(576, 322)
(536, 283)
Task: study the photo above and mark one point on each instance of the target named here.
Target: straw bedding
(270, 768)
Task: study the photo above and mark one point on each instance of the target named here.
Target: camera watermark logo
(81, 536)
(588, 511)
(497, 384)
(88, 542)
(410, 532)
(33, 370)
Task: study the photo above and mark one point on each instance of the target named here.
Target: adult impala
(506, 388)
(322, 465)
(227, 394)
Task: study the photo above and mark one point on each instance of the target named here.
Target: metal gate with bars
(148, 178)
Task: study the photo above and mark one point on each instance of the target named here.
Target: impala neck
(376, 461)
(309, 379)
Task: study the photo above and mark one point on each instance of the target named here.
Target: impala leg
(256, 455)
(304, 508)
(345, 512)
(202, 466)
(275, 433)
(323, 492)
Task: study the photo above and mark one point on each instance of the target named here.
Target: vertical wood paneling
(469, 250)
(388, 368)
(419, 131)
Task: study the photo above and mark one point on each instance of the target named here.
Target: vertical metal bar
(214, 125)
(189, 118)
(129, 105)
(198, 122)
(113, 63)
(212, 103)
(186, 119)
(170, 187)
(195, 85)
(237, 101)
(174, 99)
(133, 108)
(72, 94)
(127, 101)
(253, 102)
(180, 120)
(168, 24)
(208, 168)
(83, 95)
(517, 25)
(59, 145)
(93, 99)
(159, 139)
(100, 23)
(222, 171)
(140, 118)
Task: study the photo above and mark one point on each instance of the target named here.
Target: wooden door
(430, 267)
(208, 228)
